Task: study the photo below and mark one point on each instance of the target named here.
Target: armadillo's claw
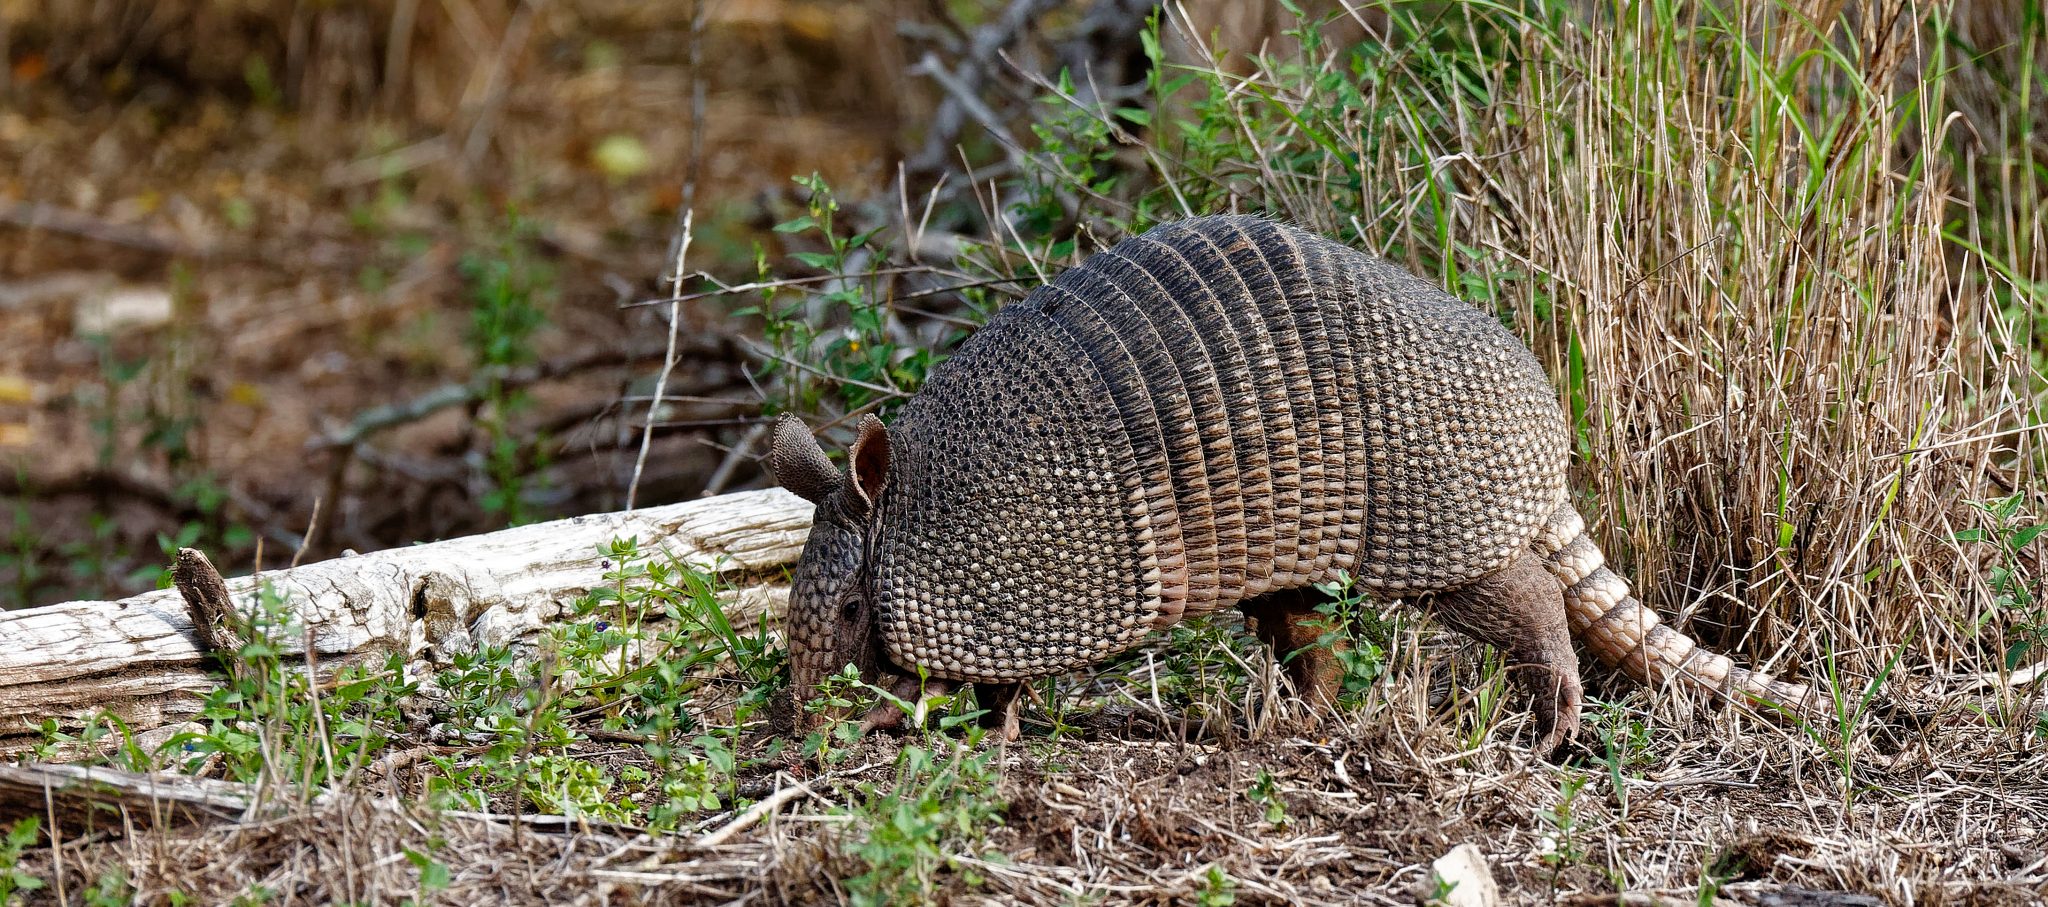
(886, 715)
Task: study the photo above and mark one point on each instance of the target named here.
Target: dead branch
(378, 419)
(968, 78)
(34, 216)
(206, 599)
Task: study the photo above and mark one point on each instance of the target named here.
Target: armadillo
(1223, 411)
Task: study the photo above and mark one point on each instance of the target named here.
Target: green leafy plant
(840, 691)
(829, 340)
(434, 875)
(1352, 631)
(1265, 791)
(1849, 707)
(650, 654)
(1567, 845)
(1217, 889)
(510, 289)
(1624, 747)
(22, 555)
(941, 802)
(273, 720)
(13, 879)
(2016, 591)
(569, 786)
(111, 889)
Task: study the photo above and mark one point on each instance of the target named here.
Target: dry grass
(1126, 818)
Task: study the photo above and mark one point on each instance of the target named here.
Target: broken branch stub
(140, 658)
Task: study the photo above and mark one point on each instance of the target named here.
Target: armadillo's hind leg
(1288, 623)
(1520, 608)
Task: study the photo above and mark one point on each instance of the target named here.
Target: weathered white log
(87, 799)
(138, 658)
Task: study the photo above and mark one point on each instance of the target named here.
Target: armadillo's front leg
(1520, 608)
(908, 689)
(1003, 701)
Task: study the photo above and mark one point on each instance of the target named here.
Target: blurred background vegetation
(284, 278)
(268, 267)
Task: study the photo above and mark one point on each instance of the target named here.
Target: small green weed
(1849, 708)
(1265, 792)
(1218, 889)
(843, 690)
(1201, 673)
(510, 289)
(272, 720)
(830, 339)
(1489, 697)
(1624, 747)
(21, 558)
(111, 889)
(13, 879)
(2016, 591)
(1725, 867)
(942, 802)
(103, 737)
(569, 786)
(1352, 629)
(433, 873)
(1565, 844)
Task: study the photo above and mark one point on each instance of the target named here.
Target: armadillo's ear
(870, 457)
(799, 464)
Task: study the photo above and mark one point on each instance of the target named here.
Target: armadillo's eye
(850, 608)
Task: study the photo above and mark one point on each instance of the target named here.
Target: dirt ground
(1123, 808)
(203, 274)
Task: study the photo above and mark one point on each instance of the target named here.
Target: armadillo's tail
(1622, 632)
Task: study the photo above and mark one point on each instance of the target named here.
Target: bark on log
(138, 658)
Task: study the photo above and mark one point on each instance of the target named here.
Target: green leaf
(797, 225)
(2024, 535)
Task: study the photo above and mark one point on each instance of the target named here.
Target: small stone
(1461, 879)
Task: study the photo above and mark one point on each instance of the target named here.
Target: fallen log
(79, 799)
(140, 659)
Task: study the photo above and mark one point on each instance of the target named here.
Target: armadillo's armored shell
(1216, 409)
(1012, 540)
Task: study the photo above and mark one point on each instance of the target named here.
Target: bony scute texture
(1226, 404)
(1225, 408)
